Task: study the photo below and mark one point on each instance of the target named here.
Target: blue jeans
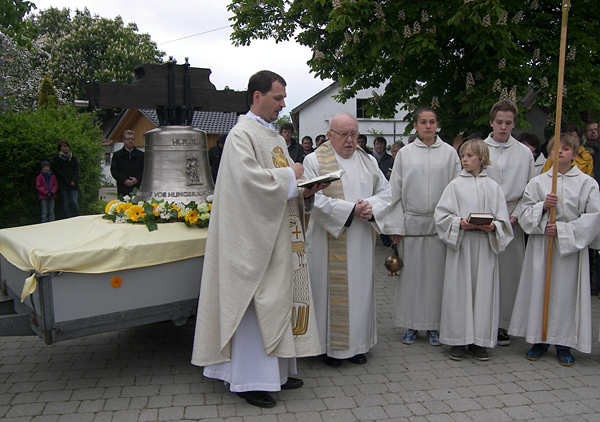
(47, 205)
(556, 346)
(67, 196)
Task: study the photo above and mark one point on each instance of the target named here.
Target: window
(361, 112)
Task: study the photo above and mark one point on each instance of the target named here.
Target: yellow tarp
(89, 244)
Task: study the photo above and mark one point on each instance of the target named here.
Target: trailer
(86, 275)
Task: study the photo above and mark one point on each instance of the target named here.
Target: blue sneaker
(433, 337)
(410, 336)
(536, 352)
(565, 358)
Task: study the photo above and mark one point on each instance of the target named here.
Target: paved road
(144, 374)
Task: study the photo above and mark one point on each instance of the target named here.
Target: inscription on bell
(180, 142)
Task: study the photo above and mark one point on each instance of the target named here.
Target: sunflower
(175, 207)
(155, 212)
(136, 212)
(192, 217)
(107, 208)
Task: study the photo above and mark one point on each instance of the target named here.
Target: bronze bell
(393, 263)
(176, 166)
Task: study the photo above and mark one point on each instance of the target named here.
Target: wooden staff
(559, 97)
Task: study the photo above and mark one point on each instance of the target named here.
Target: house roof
(207, 121)
(314, 97)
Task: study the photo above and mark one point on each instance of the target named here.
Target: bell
(393, 263)
(176, 166)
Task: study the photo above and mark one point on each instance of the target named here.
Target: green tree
(83, 48)
(12, 20)
(457, 56)
(47, 97)
(29, 137)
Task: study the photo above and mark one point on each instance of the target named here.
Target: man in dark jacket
(214, 155)
(385, 160)
(127, 166)
(294, 148)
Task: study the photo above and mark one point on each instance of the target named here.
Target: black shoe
(333, 362)
(359, 359)
(258, 398)
(503, 337)
(292, 384)
(480, 353)
(457, 353)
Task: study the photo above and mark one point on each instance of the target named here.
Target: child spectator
(46, 185)
(576, 226)
(421, 172)
(470, 305)
(511, 167)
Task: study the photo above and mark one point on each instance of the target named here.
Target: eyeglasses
(344, 135)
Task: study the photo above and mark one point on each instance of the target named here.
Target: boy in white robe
(470, 304)
(512, 167)
(421, 172)
(576, 226)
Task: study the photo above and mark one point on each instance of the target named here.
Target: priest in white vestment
(512, 167)
(255, 311)
(341, 241)
(577, 223)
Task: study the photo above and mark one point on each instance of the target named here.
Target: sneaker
(536, 352)
(410, 336)
(480, 353)
(565, 358)
(433, 337)
(457, 353)
(503, 337)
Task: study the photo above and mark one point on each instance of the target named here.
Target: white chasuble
(362, 180)
(577, 224)
(512, 167)
(470, 305)
(254, 256)
(419, 177)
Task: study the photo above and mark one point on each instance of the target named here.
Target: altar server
(471, 282)
(512, 167)
(576, 226)
(421, 172)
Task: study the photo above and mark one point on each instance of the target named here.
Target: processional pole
(566, 4)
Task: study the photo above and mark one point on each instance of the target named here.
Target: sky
(231, 66)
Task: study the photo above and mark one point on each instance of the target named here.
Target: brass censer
(393, 263)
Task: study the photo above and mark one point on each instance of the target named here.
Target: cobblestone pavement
(144, 374)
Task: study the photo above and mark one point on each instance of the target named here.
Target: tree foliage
(29, 137)
(457, 56)
(83, 48)
(47, 97)
(20, 74)
(12, 22)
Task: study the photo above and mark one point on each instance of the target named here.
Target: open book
(480, 219)
(326, 178)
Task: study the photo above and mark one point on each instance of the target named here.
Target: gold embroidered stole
(300, 278)
(339, 316)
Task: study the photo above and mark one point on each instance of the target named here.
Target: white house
(312, 116)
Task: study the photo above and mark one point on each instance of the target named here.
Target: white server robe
(329, 216)
(419, 177)
(471, 283)
(512, 167)
(577, 223)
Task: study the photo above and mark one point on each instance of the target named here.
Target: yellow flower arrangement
(153, 212)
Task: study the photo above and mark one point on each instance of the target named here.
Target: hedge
(29, 137)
